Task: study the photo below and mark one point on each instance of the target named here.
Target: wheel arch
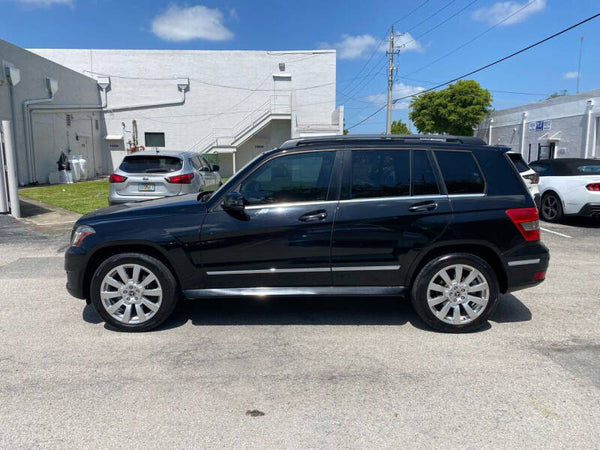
(106, 252)
(483, 251)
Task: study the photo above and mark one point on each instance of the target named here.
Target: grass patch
(78, 197)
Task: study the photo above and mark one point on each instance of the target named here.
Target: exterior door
(283, 237)
(392, 206)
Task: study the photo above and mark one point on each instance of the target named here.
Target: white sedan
(568, 186)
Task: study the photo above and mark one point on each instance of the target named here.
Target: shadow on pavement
(580, 222)
(29, 209)
(312, 311)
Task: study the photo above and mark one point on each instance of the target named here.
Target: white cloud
(570, 75)
(399, 90)
(185, 24)
(501, 10)
(363, 45)
(46, 2)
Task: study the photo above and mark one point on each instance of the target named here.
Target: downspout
(490, 132)
(27, 125)
(523, 123)
(590, 105)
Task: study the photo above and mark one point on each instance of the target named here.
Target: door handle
(423, 206)
(313, 215)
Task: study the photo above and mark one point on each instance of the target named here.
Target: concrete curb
(47, 218)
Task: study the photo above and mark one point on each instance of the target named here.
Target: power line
(358, 87)
(487, 66)
(473, 39)
(410, 13)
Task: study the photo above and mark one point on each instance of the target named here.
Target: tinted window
(292, 178)
(196, 163)
(460, 172)
(423, 177)
(518, 162)
(150, 164)
(380, 173)
(543, 170)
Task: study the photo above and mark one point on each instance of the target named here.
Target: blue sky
(471, 33)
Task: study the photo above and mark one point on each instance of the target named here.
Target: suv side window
(380, 173)
(460, 171)
(424, 181)
(302, 177)
(205, 164)
(196, 163)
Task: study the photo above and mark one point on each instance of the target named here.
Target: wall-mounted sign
(540, 125)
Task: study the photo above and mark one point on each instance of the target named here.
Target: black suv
(446, 221)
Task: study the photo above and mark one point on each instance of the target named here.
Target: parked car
(151, 175)
(569, 187)
(530, 176)
(445, 221)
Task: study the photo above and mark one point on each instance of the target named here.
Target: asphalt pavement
(298, 373)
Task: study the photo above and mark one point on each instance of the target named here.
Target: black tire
(148, 318)
(551, 208)
(456, 295)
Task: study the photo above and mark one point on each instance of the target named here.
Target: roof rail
(467, 140)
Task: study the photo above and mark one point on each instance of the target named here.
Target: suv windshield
(150, 164)
(518, 161)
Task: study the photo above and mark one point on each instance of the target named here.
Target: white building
(236, 104)
(52, 109)
(561, 127)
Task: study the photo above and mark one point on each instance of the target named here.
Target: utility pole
(579, 65)
(391, 52)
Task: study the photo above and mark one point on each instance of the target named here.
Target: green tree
(454, 110)
(399, 127)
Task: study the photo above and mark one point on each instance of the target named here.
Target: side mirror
(215, 168)
(234, 201)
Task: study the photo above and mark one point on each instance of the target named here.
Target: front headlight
(80, 233)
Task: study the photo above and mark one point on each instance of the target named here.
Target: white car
(530, 176)
(568, 186)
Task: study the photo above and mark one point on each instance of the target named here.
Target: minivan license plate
(146, 187)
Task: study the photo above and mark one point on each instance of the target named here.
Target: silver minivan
(150, 175)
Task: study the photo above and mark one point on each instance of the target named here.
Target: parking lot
(299, 373)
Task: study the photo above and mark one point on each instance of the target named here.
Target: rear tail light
(593, 187)
(534, 178)
(186, 178)
(527, 222)
(114, 178)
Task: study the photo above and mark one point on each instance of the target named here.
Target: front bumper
(75, 263)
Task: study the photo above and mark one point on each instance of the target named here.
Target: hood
(163, 206)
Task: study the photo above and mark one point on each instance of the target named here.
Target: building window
(154, 139)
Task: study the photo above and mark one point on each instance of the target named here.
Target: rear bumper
(119, 199)
(590, 210)
(527, 267)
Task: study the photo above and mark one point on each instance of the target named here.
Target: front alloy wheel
(133, 292)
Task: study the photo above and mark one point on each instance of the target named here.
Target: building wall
(51, 133)
(570, 122)
(226, 88)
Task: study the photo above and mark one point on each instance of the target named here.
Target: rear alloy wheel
(133, 292)
(455, 293)
(551, 210)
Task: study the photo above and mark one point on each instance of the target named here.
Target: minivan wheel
(455, 293)
(551, 208)
(133, 292)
